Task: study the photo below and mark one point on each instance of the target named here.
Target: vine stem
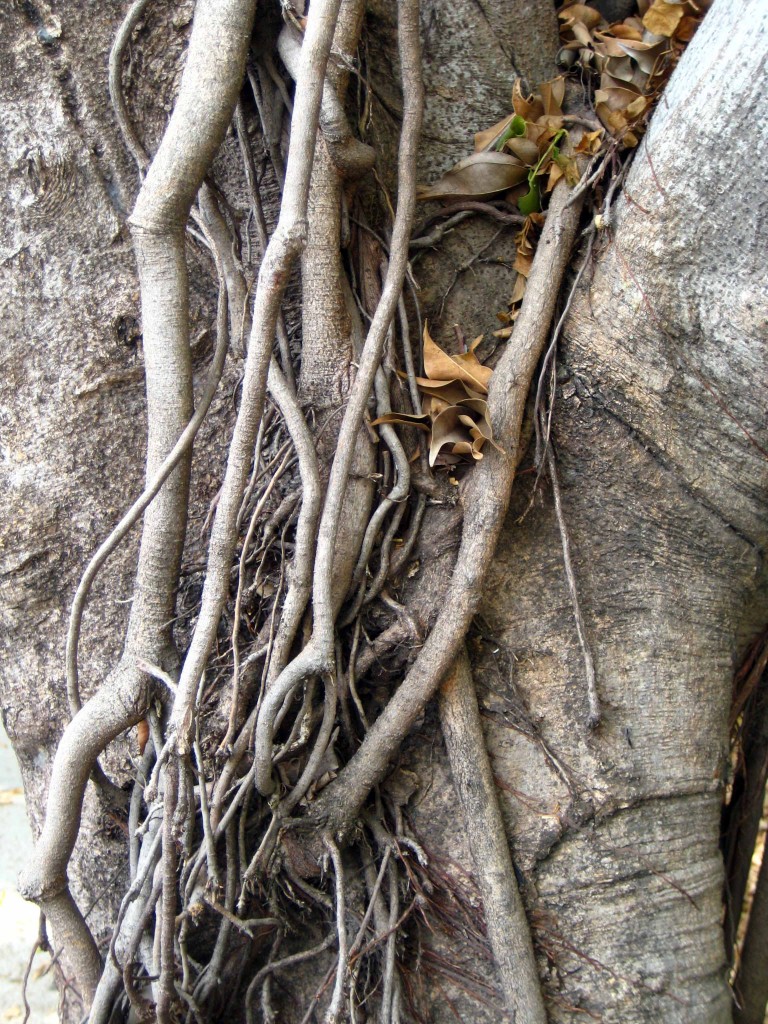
(317, 658)
(281, 254)
(208, 93)
(485, 505)
(505, 919)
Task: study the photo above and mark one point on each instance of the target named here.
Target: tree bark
(660, 437)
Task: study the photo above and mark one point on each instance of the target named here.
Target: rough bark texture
(667, 522)
(617, 835)
(662, 372)
(74, 421)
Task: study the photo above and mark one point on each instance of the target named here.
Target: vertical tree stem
(505, 918)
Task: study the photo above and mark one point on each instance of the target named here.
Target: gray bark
(660, 383)
(658, 431)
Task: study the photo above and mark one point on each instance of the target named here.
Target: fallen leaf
(466, 367)
(531, 108)
(484, 140)
(142, 734)
(686, 29)
(524, 149)
(581, 33)
(478, 176)
(406, 419)
(627, 30)
(591, 142)
(556, 172)
(647, 55)
(518, 291)
(552, 95)
(589, 16)
(662, 18)
(455, 410)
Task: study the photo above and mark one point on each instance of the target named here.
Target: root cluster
(263, 842)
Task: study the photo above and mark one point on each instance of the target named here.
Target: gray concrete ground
(18, 919)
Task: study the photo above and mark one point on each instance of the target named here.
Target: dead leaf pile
(455, 414)
(514, 157)
(521, 158)
(633, 58)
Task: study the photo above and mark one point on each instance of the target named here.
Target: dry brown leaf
(591, 142)
(455, 410)
(552, 95)
(484, 140)
(581, 33)
(580, 12)
(518, 291)
(618, 108)
(447, 392)
(466, 367)
(528, 107)
(450, 430)
(620, 71)
(523, 263)
(406, 419)
(628, 30)
(634, 23)
(479, 176)
(619, 98)
(524, 149)
(662, 18)
(647, 55)
(142, 734)
(686, 28)
(555, 174)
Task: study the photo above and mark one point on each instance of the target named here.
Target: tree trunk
(660, 439)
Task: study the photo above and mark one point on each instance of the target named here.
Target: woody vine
(257, 778)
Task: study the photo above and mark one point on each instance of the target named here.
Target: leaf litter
(454, 402)
(625, 66)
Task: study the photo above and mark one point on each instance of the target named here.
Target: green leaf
(531, 201)
(514, 130)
